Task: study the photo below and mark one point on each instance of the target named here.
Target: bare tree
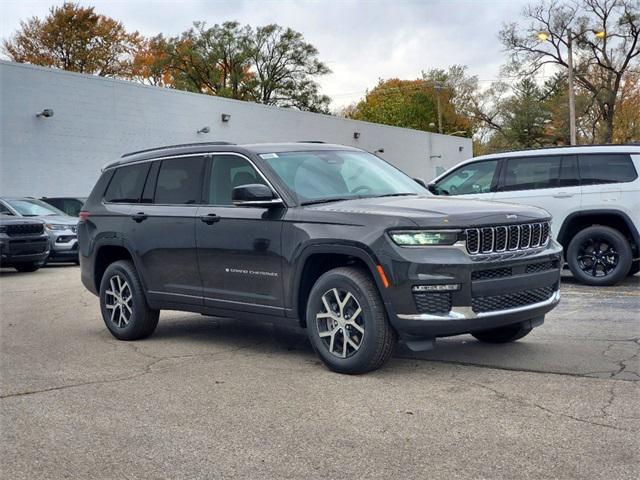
(606, 44)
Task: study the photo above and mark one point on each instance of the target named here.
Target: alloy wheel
(340, 323)
(597, 257)
(119, 301)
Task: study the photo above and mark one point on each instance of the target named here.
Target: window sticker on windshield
(268, 156)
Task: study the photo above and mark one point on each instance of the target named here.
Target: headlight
(55, 226)
(424, 238)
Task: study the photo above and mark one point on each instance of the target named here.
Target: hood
(58, 219)
(432, 211)
(14, 220)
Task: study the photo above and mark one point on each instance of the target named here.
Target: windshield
(339, 175)
(33, 208)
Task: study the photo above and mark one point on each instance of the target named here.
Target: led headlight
(424, 238)
(55, 226)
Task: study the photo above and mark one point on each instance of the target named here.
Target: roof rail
(310, 141)
(196, 144)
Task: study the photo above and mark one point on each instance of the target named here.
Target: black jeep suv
(328, 236)
(24, 245)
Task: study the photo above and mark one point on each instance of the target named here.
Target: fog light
(452, 287)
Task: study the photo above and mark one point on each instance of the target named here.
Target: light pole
(544, 36)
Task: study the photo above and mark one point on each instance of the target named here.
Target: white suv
(592, 192)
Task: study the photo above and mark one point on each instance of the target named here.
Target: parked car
(24, 245)
(69, 205)
(327, 236)
(60, 227)
(592, 192)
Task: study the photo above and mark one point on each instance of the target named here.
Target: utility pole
(572, 94)
(438, 89)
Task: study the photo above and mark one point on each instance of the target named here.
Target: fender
(353, 249)
(616, 213)
(115, 241)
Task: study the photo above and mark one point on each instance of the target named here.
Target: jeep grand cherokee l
(592, 192)
(24, 245)
(330, 237)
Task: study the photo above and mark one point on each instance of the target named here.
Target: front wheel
(123, 304)
(599, 256)
(347, 323)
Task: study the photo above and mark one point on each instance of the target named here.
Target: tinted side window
(606, 168)
(531, 173)
(569, 172)
(472, 178)
(126, 184)
(180, 181)
(228, 172)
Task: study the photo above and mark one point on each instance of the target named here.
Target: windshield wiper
(397, 195)
(327, 200)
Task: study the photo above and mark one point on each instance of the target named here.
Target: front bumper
(63, 244)
(487, 292)
(20, 250)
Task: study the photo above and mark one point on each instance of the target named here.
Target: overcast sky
(360, 40)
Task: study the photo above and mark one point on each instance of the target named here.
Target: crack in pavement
(522, 402)
(147, 369)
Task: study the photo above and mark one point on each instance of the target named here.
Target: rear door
(239, 247)
(608, 181)
(162, 229)
(547, 181)
(473, 180)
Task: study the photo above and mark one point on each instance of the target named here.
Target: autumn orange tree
(75, 38)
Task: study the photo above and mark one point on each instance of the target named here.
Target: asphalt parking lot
(213, 398)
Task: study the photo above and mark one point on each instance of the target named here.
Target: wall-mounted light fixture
(460, 149)
(356, 135)
(435, 156)
(380, 150)
(225, 117)
(204, 130)
(47, 112)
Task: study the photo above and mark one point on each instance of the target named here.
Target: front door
(239, 248)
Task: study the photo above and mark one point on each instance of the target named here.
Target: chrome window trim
(186, 155)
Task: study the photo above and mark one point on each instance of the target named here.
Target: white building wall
(96, 120)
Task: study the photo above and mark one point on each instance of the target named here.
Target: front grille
(25, 229)
(541, 267)
(493, 273)
(435, 303)
(512, 300)
(507, 238)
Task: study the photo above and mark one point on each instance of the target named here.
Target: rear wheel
(503, 334)
(347, 323)
(599, 256)
(27, 267)
(123, 304)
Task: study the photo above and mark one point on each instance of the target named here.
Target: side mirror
(254, 195)
(432, 188)
(420, 181)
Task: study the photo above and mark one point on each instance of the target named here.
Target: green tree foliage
(414, 103)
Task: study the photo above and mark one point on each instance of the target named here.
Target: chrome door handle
(210, 219)
(139, 217)
(564, 195)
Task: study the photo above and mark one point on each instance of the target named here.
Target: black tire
(507, 334)
(27, 267)
(377, 340)
(142, 320)
(589, 247)
(635, 268)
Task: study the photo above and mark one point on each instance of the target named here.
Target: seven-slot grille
(507, 238)
(25, 229)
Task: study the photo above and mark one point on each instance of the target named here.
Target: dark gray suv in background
(329, 237)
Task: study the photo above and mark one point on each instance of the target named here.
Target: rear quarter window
(127, 183)
(606, 168)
